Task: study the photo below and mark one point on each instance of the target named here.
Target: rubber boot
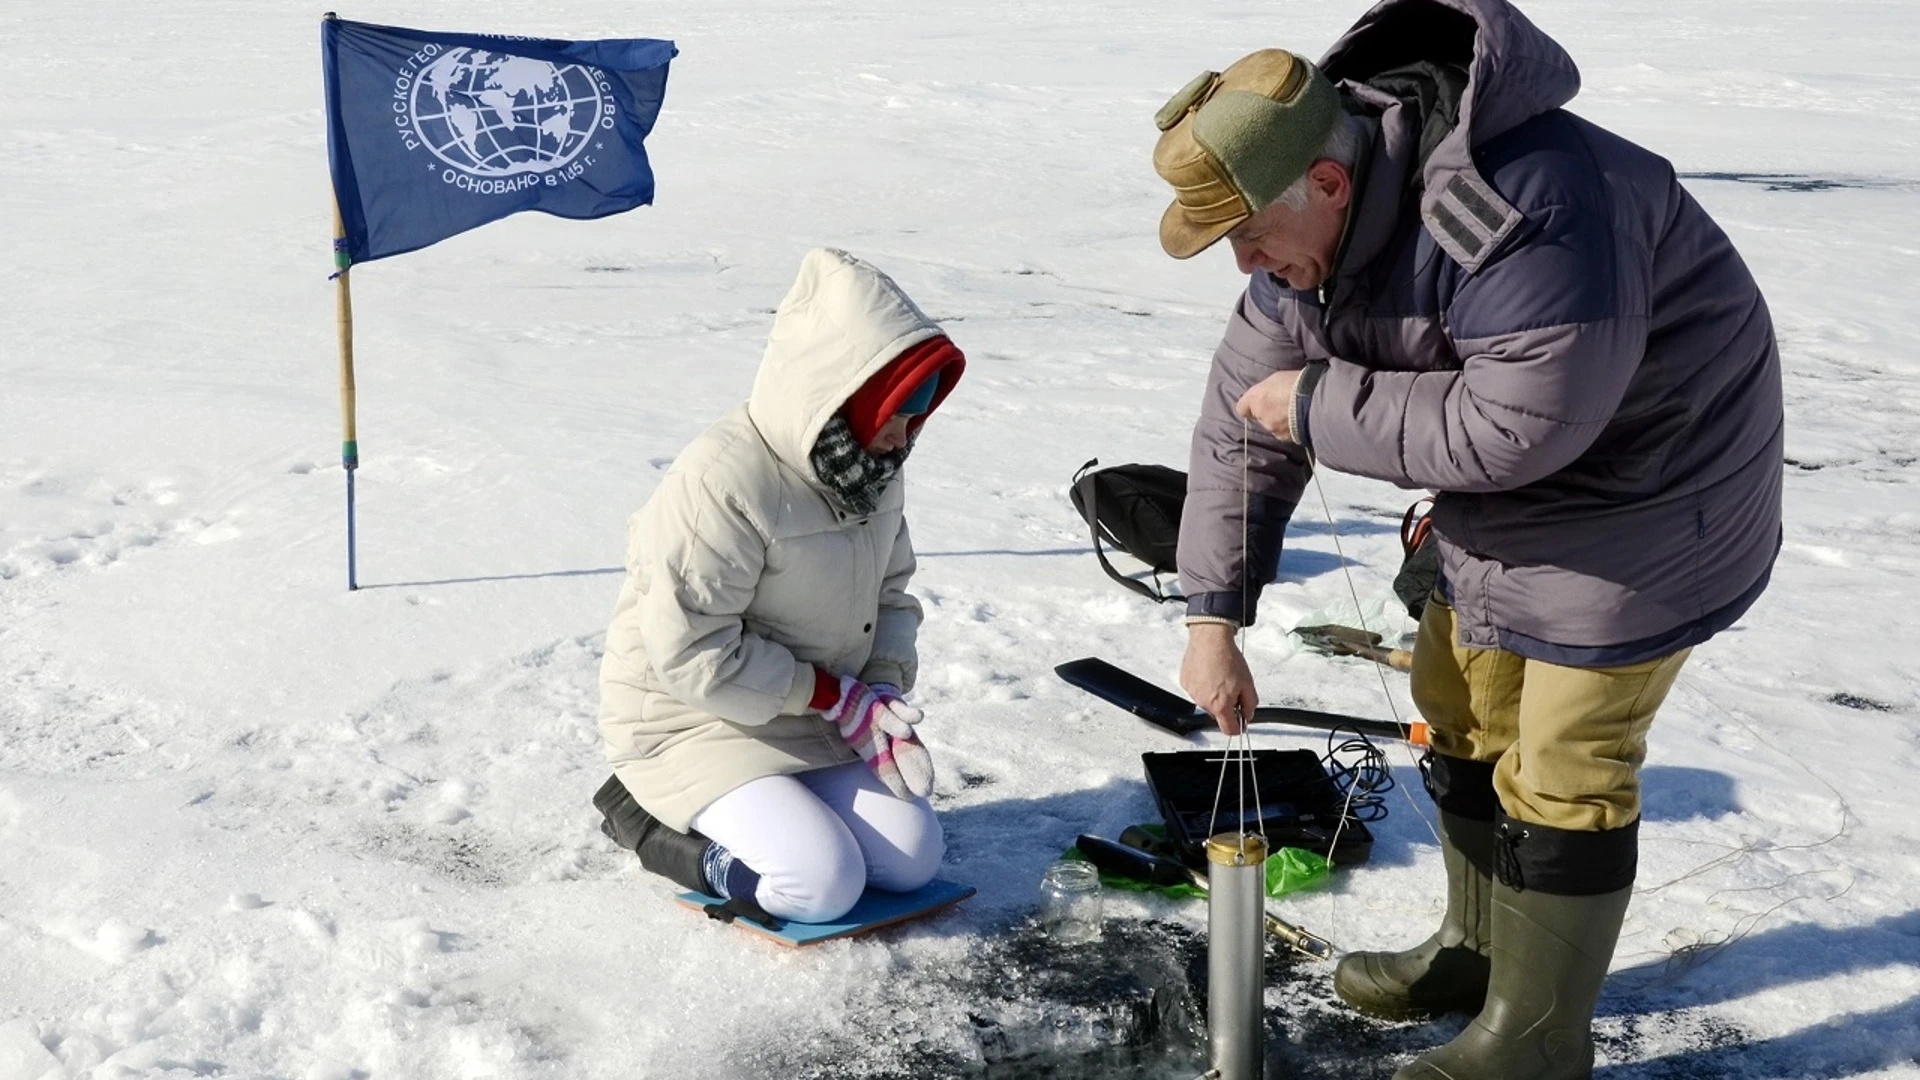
(1554, 931)
(1448, 971)
(679, 857)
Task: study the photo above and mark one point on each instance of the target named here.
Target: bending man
(1456, 285)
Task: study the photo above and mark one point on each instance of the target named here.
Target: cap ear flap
(1190, 97)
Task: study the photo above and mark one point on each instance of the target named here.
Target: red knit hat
(880, 397)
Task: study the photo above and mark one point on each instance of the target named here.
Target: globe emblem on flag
(495, 114)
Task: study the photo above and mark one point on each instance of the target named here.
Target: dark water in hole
(1132, 1007)
(1020, 1006)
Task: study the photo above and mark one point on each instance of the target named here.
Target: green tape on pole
(349, 454)
(342, 258)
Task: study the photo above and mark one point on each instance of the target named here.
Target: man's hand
(1269, 403)
(1216, 676)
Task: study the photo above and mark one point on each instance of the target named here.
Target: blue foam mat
(874, 909)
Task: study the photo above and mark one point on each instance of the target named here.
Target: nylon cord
(1386, 692)
(1239, 751)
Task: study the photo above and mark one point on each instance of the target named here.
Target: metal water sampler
(1236, 955)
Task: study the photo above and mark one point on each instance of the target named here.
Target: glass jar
(1070, 902)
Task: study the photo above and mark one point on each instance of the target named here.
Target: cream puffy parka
(743, 572)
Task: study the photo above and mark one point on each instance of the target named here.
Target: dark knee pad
(1564, 862)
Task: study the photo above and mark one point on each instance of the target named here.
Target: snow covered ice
(254, 826)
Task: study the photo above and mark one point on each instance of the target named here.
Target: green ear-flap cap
(1188, 97)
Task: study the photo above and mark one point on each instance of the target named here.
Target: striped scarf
(857, 476)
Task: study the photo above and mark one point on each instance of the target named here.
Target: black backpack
(1135, 508)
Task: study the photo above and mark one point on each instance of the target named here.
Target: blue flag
(432, 134)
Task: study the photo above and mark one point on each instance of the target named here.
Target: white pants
(818, 839)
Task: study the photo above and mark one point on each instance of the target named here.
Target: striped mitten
(879, 727)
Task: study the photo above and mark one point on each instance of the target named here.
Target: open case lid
(1298, 803)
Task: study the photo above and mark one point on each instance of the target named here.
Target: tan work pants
(1568, 742)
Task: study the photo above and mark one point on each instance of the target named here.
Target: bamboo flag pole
(349, 445)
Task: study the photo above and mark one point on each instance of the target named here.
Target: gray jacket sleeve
(1228, 554)
(1548, 336)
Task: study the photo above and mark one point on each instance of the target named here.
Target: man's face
(1298, 246)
